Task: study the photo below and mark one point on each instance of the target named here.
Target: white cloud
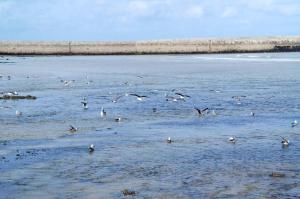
(229, 12)
(194, 11)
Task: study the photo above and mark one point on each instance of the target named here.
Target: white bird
(12, 93)
(91, 148)
(169, 140)
(18, 113)
(232, 139)
(252, 114)
(285, 142)
(294, 123)
(213, 112)
(102, 112)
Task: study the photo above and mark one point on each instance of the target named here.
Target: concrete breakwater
(233, 45)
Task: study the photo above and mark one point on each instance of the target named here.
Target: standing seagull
(294, 123)
(252, 114)
(102, 112)
(169, 140)
(18, 113)
(139, 97)
(232, 139)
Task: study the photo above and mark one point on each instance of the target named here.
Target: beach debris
(127, 192)
(285, 142)
(18, 113)
(91, 148)
(277, 175)
(154, 110)
(201, 112)
(169, 140)
(139, 97)
(72, 129)
(294, 123)
(232, 139)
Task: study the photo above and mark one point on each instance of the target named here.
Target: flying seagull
(201, 112)
(85, 105)
(91, 148)
(72, 129)
(182, 96)
(138, 97)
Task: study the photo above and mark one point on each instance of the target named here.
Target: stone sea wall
(231, 45)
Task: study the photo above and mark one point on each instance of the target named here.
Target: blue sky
(90, 20)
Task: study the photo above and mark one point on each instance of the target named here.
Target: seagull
(68, 82)
(139, 97)
(115, 100)
(169, 140)
(213, 112)
(102, 112)
(182, 96)
(12, 93)
(232, 139)
(85, 105)
(294, 123)
(18, 113)
(174, 99)
(252, 114)
(91, 148)
(285, 142)
(201, 112)
(119, 119)
(72, 129)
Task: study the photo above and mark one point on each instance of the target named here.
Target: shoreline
(191, 46)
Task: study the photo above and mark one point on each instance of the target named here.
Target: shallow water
(39, 157)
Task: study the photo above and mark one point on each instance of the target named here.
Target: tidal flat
(251, 97)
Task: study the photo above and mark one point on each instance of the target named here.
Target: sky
(115, 20)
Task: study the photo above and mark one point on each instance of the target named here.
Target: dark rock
(17, 97)
(277, 175)
(127, 192)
